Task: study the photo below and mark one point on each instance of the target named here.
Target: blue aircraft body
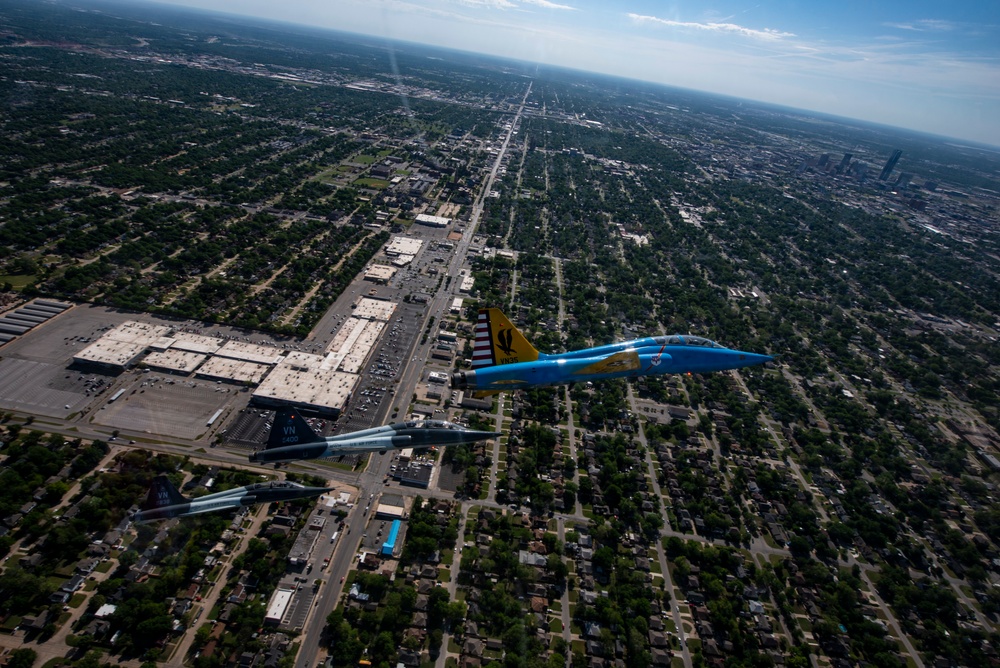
(502, 359)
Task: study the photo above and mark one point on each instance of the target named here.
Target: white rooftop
(374, 309)
(311, 382)
(238, 371)
(176, 360)
(250, 352)
(404, 246)
(196, 343)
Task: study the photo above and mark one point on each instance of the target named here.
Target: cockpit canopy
(274, 484)
(687, 340)
(429, 424)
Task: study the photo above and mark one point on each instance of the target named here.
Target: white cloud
(924, 25)
(494, 4)
(549, 5)
(766, 34)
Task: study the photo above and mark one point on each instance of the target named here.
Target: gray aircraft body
(292, 439)
(164, 501)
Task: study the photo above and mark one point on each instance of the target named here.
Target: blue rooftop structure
(390, 543)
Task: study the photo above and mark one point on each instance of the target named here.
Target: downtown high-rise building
(889, 165)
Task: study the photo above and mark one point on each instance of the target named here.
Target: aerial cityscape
(323, 349)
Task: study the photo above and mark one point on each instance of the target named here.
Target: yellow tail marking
(509, 345)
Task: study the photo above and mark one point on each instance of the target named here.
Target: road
(371, 481)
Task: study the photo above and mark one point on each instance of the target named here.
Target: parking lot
(155, 404)
(34, 373)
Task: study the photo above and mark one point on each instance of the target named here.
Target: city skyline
(918, 66)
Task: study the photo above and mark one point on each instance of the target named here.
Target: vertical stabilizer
(498, 341)
(290, 428)
(162, 494)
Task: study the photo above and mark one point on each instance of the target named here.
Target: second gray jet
(292, 439)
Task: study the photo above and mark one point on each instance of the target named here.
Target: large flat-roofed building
(174, 361)
(277, 606)
(110, 353)
(307, 381)
(404, 246)
(354, 357)
(374, 309)
(250, 352)
(196, 343)
(233, 370)
(414, 474)
(131, 331)
(122, 346)
(380, 273)
(432, 221)
(401, 261)
(467, 283)
(324, 383)
(305, 542)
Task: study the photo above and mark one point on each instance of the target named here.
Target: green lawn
(368, 182)
(365, 159)
(17, 281)
(77, 600)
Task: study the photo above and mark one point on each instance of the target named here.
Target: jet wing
(626, 360)
(484, 394)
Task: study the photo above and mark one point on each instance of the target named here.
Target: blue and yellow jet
(502, 359)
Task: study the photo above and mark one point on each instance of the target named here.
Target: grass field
(368, 182)
(17, 281)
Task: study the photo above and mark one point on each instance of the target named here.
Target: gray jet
(164, 501)
(292, 439)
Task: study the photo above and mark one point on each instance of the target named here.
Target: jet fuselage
(249, 495)
(628, 359)
(292, 440)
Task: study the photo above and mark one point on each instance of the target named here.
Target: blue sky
(930, 66)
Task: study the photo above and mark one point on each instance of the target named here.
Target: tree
(22, 658)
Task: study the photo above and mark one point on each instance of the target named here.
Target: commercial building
(232, 370)
(433, 221)
(277, 606)
(324, 383)
(307, 381)
(174, 361)
(379, 273)
(404, 246)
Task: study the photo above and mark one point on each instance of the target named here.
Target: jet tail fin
(498, 341)
(162, 493)
(290, 428)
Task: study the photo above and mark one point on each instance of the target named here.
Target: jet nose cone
(753, 359)
(471, 436)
